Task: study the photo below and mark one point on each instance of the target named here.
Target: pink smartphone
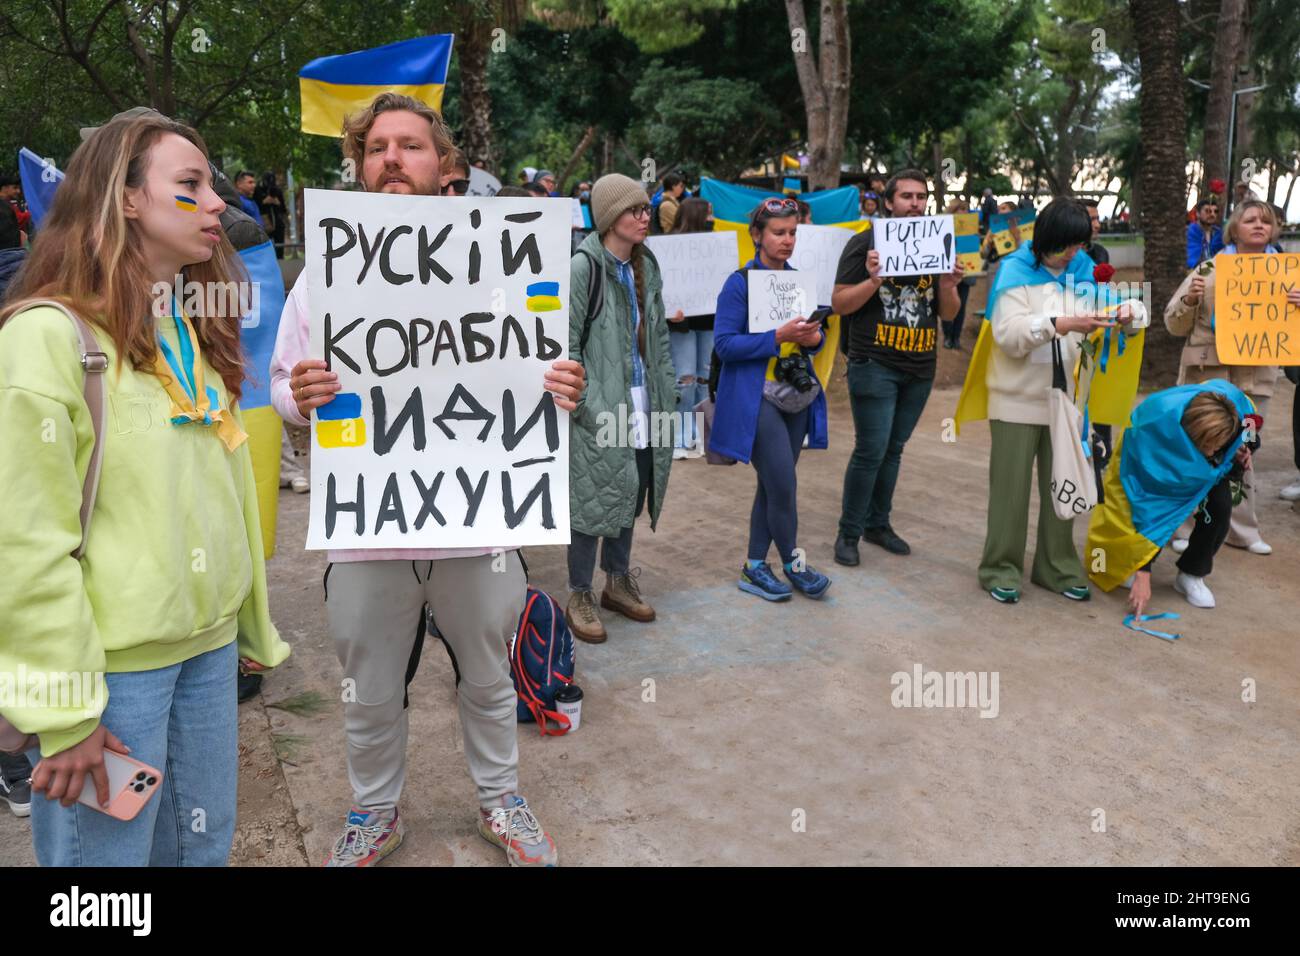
(130, 785)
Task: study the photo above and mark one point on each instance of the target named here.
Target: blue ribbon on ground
(1134, 623)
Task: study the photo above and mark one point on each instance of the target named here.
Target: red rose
(1103, 272)
(1217, 185)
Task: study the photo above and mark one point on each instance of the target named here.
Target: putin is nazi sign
(440, 316)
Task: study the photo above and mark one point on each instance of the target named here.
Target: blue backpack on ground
(541, 662)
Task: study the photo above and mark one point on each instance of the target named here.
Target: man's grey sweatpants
(374, 607)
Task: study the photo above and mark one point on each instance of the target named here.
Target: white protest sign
(482, 183)
(694, 265)
(817, 250)
(440, 316)
(777, 297)
(579, 215)
(914, 245)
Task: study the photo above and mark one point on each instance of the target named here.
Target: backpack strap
(595, 299)
(94, 362)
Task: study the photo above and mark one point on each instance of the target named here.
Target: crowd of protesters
(170, 652)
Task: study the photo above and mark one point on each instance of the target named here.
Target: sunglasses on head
(779, 205)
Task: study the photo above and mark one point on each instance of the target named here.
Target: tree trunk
(476, 99)
(583, 145)
(940, 187)
(1164, 159)
(1223, 74)
(825, 87)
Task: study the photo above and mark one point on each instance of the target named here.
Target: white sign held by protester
(817, 250)
(441, 317)
(694, 265)
(482, 183)
(776, 297)
(914, 245)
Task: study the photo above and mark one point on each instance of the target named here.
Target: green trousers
(1011, 464)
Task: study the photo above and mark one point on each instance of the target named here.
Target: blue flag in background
(258, 332)
(40, 180)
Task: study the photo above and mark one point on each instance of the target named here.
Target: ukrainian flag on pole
(333, 86)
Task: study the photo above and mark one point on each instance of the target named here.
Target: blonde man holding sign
(376, 598)
(1191, 313)
(892, 328)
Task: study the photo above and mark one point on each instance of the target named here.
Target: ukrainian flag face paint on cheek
(186, 203)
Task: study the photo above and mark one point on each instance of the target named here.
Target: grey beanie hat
(611, 196)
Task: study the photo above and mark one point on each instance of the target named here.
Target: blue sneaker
(761, 581)
(809, 581)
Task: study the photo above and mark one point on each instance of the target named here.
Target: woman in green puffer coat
(621, 435)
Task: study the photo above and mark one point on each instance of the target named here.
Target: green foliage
(719, 126)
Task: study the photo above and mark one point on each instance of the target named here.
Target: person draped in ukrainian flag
(1043, 298)
(1185, 450)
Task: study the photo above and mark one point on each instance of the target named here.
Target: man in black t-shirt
(892, 327)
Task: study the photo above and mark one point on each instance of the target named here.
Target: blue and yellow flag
(333, 86)
(1154, 483)
(261, 420)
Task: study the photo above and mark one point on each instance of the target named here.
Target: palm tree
(1164, 162)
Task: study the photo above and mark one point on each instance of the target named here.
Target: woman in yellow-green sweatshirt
(132, 646)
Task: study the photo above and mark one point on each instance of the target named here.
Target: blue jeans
(887, 404)
(692, 352)
(182, 720)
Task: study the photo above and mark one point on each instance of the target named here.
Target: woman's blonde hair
(1211, 421)
(1239, 213)
(356, 127)
(89, 256)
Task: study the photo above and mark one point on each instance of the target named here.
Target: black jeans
(1208, 532)
(615, 553)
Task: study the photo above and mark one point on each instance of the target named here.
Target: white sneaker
(300, 485)
(1260, 547)
(1291, 492)
(680, 453)
(1194, 589)
(1179, 545)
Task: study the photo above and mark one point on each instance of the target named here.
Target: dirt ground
(733, 731)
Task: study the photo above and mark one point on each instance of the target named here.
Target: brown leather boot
(622, 594)
(584, 619)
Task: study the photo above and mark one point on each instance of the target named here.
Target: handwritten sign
(914, 245)
(1254, 324)
(775, 297)
(966, 234)
(817, 251)
(482, 183)
(694, 265)
(440, 316)
(1000, 228)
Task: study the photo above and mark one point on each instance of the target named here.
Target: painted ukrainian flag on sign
(339, 423)
(333, 86)
(543, 297)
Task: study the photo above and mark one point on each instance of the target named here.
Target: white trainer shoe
(1291, 492)
(1194, 589)
(1260, 547)
(1179, 545)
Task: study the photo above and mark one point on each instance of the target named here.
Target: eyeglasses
(640, 212)
(459, 186)
(779, 205)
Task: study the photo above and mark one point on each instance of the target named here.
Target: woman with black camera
(768, 399)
